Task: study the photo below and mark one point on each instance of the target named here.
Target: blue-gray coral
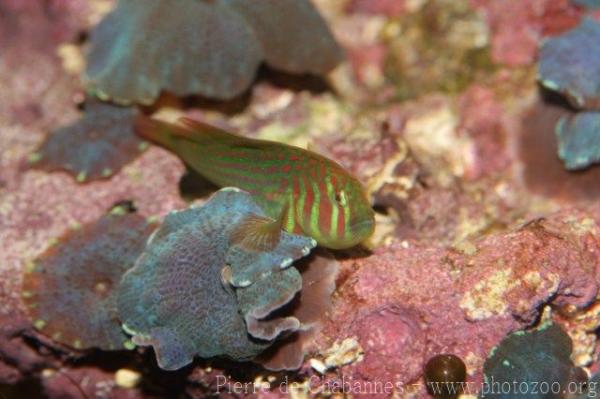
(591, 4)
(266, 295)
(94, 147)
(524, 362)
(579, 139)
(293, 36)
(179, 298)
(182, 46)
(570, 64)
(211, 48)
(69, 291)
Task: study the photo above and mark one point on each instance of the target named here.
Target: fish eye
(340, 198)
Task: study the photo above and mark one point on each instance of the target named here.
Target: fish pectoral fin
(257, 233)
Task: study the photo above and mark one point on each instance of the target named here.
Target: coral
(526, 360)
(579, 139)
(69, 291)
(292, 34)
(150, 56)
(569, 64)
(96, 146)
(263, 297)
(591, 4)
(247, 267)
(178, 297)
(135, 52)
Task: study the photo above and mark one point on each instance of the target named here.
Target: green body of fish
(309, 193)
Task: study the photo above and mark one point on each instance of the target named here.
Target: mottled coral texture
(70, 290)
(569, 64)
(229, 36)
(96, 146)
(536, 357)
(182, 299)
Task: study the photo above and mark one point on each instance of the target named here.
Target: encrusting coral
(179, 297)
(94, 147)
(579, 139)
(570, 63)
(190, 292)
(211, 48)
(69, 291)
(534, 360)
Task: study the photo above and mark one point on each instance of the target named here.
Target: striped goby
(301, 191)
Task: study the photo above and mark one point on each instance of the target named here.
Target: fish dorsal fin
(198, 130)
(257, 233)
(201, 130)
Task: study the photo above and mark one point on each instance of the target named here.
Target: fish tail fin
(159, 132)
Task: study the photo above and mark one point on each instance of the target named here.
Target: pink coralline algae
(482, 119)
(393, 333)
(37, 91)
(497, 287)
(517, 27)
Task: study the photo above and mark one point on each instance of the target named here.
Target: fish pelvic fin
(258, 233)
